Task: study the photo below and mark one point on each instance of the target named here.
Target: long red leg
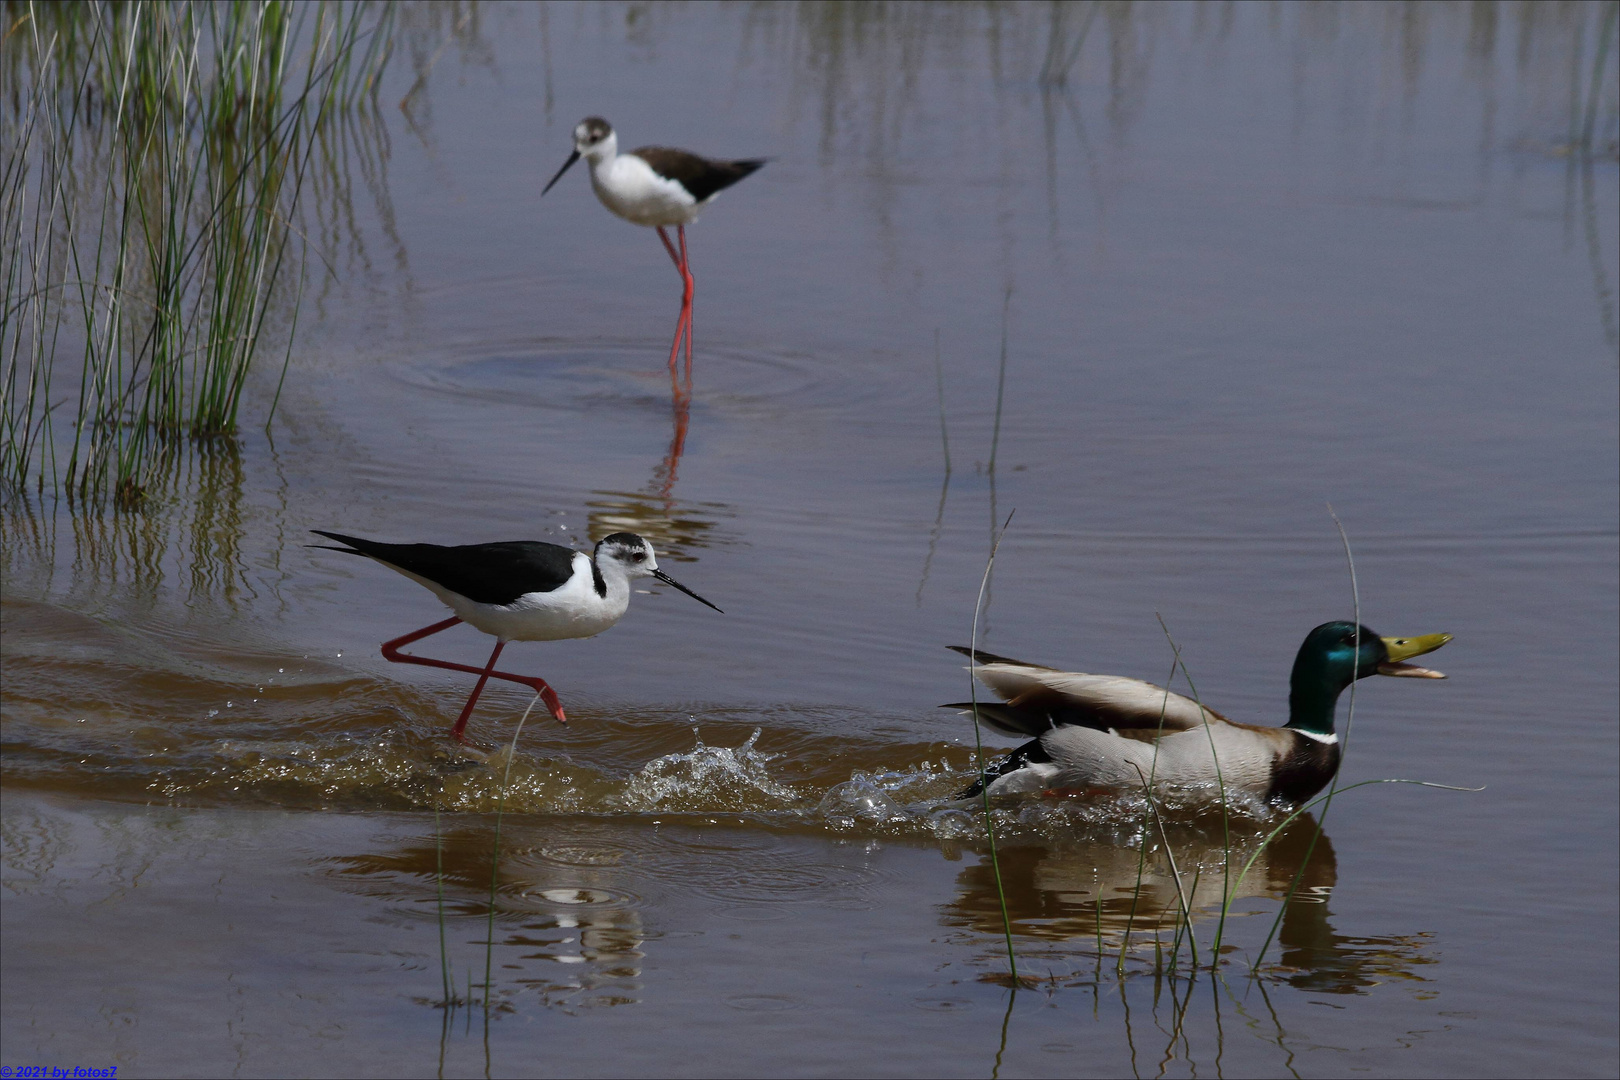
(683, 328)
(683, 325)
(478, 688)
(669, 247)
(686, 299)
(390, 651)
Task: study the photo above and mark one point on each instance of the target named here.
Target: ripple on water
(575, 897)
(753, 876)
(934, 1004)
(761, 1003)
(571, 376)
(583, 854)
(784, 879)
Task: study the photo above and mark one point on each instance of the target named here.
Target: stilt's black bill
(571, 159)
(667, 580)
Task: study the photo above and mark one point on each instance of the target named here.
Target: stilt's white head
(628, 555)
(595, 141)
(594, 138)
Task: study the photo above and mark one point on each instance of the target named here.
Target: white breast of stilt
(629, 187)
(572, 610)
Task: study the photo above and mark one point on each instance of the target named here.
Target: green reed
(1141, 851)
(978, 746)
(1226, 806)
(438, 877)
(495, 854)
(155, 154)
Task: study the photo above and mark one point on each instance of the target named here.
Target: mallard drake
(1097, 731)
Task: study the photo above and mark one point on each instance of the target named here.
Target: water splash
(710, 778)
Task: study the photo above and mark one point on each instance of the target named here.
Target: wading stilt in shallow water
(658, 187)
(521, 590)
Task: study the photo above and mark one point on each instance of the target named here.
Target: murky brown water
(1259, 259)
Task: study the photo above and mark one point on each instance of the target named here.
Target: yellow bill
(1403, 648)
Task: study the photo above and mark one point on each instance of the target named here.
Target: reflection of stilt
(680, 392)
(680, 381)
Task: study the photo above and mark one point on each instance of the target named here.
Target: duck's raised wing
(1039, 698)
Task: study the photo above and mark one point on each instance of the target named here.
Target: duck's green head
(1336, 654)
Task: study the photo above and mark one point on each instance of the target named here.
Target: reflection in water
(861, 73)
(1106, 893)
(426, 31)
(1603, 291)
(193, 522)
(674, 529)
(945, 483)
(360, 143)
(567, 928)
(680, 396)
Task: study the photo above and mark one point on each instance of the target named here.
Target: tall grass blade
(1001, 383)
(1170, 855)
(1326, 801)
(438, 876)
(978, 746)
(1599, 62)
(1141, 851)
(1344, 752)
(1226, 808)
(939, 384)
(495, 855)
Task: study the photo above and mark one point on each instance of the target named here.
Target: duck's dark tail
(979, 656)
(1031, 753)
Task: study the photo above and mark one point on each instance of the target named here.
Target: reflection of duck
(1107, 731)
(1072, 890)
(1080, 889)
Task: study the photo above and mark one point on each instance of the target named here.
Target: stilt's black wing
(701, 176)
(484, 573)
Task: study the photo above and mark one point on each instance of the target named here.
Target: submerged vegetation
(154, 157)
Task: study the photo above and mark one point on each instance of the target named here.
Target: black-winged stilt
(655, 186)
(520, 590)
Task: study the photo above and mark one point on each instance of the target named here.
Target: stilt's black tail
(356, 546)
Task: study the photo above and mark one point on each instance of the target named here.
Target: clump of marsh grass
(154, 157)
